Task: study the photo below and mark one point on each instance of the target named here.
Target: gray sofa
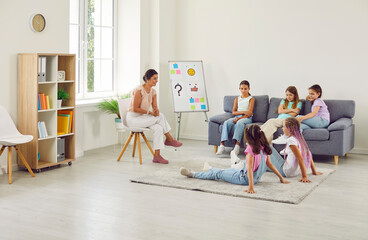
(335, 140)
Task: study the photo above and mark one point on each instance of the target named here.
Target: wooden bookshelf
(28, 114)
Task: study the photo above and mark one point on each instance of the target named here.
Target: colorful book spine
(42, 96)
(48, 102)
(39, 102)
(40, 130)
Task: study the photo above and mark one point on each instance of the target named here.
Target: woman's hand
(304, 180)
(284, 181)
(250, 190)
(156, 112)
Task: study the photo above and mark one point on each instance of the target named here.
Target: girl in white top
(243, 112)
(299, 159)
(142, 115)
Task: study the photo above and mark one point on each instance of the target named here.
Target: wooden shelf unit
(29, 115)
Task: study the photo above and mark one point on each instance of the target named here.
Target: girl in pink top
(143, 112)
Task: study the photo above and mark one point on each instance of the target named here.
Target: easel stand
(178, 120)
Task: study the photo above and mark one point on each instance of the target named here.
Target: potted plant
(62, 95)
(111, 106)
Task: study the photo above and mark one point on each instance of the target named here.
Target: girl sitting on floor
(258, 156)
(299, 158)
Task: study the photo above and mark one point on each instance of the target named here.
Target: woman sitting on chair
(140, 114)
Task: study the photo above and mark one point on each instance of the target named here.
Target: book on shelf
(67, 113)
(48, 102)
(39, 102)
(62, 125)
(43, 102)
(42, 130)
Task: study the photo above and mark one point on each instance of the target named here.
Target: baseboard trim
(363, 151)
(193, 137)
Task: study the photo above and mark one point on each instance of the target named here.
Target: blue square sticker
(203, 106)
(175, 65)
(191, 100)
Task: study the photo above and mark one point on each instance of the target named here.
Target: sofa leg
(216, 149)
(336, 159)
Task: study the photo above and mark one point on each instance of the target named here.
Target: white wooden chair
(11, 137)
(123, 109)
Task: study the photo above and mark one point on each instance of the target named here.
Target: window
(92, 39)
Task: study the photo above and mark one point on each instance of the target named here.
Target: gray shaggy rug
(268, 188)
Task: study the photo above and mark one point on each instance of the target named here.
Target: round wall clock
(38, 22)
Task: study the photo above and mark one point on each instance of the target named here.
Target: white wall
(275, 44)
(17, 37)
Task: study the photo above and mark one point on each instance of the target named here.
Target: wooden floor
(93, 199)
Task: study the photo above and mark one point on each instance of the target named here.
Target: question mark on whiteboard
(180, 88)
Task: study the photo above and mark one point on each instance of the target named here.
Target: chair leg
(336, 159)
(216, 149)
(135, 143)
(148, 145)
(9, 165)
(139, 149)
(125, 146)
(24, 161)
(2, 150)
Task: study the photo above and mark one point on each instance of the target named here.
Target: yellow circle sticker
(191, 72)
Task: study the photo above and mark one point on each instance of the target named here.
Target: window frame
(83, 59)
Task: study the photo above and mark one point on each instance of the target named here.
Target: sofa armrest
(340, 124)
(220, 118)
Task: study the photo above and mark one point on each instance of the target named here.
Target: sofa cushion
(220, 118)
(229, 103)
(337, 108)
(317, 134)
(260, 107)
(274, 105)
(340, 124)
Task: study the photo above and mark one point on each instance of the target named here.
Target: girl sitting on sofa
(258, 156)
(243, 111)
(289, 107)
(319, 116)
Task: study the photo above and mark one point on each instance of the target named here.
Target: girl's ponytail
(265, 144)
(256, 138)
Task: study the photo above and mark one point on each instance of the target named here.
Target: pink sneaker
(173, 143)
(159, 159)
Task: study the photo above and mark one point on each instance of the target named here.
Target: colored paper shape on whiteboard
(191, 100)
(193, 89)
(203, 106)
(201, 100)
(196, 100)
(192, 107)
(175, 65)
(172, 71)
(191, 72)
(178, 71)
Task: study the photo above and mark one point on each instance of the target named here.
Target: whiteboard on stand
(188, 86)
